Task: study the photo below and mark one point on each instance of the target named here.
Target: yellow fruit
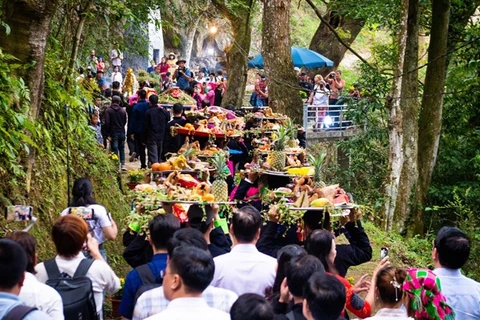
(208, 197)
(321, 202)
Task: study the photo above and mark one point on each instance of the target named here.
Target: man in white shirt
(450, 252)
(245, 269)
(34, 293)
(189, 272)
(154, 301)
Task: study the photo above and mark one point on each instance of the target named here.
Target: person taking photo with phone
(100, 222)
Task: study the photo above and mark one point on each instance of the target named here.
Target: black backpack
(76, 291)
(18, 312)
(149, 281)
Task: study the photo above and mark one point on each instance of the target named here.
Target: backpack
(18, 312)
(76, 291)
(149, 280)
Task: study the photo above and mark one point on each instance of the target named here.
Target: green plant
(135, 176)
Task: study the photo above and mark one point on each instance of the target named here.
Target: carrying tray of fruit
(199, 133)
(182, 171)
(335, 207)
(196, 202)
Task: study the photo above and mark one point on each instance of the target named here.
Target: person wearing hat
(183, 75)
(297, 71)
(172, 62)
(424, 298)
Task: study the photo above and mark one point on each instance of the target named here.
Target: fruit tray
(198, 133)
(196, 202)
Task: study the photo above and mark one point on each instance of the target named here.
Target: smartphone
(83, 212)
(18, 213)
(383, 252)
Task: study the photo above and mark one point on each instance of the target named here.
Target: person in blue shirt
(161, 229)
(13, 264)
(183, 75)
(101, 82)
(136, 130)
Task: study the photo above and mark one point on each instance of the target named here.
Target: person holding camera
(183, 75)
(337, 84)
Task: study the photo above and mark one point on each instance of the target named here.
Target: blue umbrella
(301, 58)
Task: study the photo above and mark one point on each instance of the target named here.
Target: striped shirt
(153, 301)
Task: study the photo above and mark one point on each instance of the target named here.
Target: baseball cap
(297, 69)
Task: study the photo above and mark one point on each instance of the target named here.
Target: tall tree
(403, 113)
(430, 123)
(29, 21)
(239, 16)
(283, 91)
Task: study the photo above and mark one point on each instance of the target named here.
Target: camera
(332, 75)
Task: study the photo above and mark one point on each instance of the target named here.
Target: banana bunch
(178, 163)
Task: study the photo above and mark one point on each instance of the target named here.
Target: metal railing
(325, 118)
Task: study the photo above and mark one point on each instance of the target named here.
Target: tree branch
(221, 6)
(319, 15)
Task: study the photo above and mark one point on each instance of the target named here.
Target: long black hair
(82, 193)
(319, 244)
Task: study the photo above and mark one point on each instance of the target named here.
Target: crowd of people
(139, 120)
(214, 268)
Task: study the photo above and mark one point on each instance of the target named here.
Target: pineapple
(317, 163)
(219, 186)
(278, 157)
(292, 133)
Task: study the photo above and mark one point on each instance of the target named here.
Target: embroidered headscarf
(426, 299)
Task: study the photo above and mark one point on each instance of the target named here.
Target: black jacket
(357, 252)
(272, 238)
(138, 250)
(174, 143)
(282, 309)
(241, 193)
(115, 120)
(220, 243)
(155, 124)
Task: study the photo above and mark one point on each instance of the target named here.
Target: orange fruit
(164, 166)
(208, 197)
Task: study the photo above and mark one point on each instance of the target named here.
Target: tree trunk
(83, 14)
(237, 53)
(190, 38)
(409, 104)
(283, 91)
(430, 124)
(395, 123)
(29, 21)
(326, 43)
